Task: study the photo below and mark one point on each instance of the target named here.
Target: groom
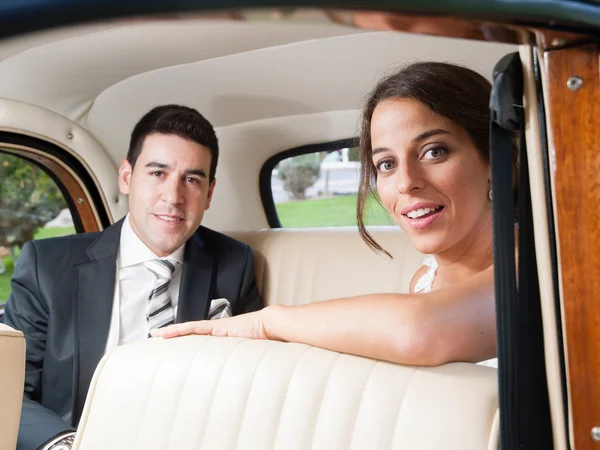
(77, 297)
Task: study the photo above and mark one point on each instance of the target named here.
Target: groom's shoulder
(55, 253)
(71, 242)
(77, 243)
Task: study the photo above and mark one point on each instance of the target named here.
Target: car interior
(278, 84)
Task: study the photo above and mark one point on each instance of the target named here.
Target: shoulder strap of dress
(425, 283)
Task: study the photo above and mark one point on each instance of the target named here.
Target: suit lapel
(197, 281)
(95, 281)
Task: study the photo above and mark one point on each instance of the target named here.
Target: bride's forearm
(386, 327)
(456, 324)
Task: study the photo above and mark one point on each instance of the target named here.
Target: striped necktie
(159, 312)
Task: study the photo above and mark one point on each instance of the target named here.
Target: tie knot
(162, 268)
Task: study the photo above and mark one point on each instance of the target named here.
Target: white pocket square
(219, 309)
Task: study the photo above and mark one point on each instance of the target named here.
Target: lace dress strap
(425, 283)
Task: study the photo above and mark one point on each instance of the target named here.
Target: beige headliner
(267, 87)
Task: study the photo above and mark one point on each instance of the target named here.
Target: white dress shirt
(133, 283)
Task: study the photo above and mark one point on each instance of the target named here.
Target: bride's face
(430, 176)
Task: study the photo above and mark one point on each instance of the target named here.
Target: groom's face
(169, 191)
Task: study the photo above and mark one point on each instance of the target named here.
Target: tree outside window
(29, 201)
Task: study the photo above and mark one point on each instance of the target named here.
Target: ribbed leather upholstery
(12, 378)
(209, 393)
(297, 266)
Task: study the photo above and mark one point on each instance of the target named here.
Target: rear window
(319, 189)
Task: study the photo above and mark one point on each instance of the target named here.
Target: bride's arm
(452, 324)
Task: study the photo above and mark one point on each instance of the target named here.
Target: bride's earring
(490, 194)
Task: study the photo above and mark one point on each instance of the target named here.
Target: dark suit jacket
(62, 296)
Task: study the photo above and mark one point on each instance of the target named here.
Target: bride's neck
(470, 256)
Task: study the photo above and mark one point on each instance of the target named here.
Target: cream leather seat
(297, 266)
(200, 392)
(12, 379)
(222, 393)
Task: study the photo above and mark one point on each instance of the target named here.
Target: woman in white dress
(425, 152)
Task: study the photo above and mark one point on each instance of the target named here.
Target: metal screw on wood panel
(558, 42)
(574, 83)
(80, 200)
(596, 434)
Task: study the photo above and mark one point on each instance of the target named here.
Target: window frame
(266, 171)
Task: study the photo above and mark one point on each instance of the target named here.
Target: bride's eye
(434, 153)
(384, 166)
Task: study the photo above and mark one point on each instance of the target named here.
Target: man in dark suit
(77, 297)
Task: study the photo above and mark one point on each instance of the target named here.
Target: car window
(31, 207)
(319, 189)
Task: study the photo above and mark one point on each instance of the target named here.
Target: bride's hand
(249, 325)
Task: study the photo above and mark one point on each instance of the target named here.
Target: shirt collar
(132, 251)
